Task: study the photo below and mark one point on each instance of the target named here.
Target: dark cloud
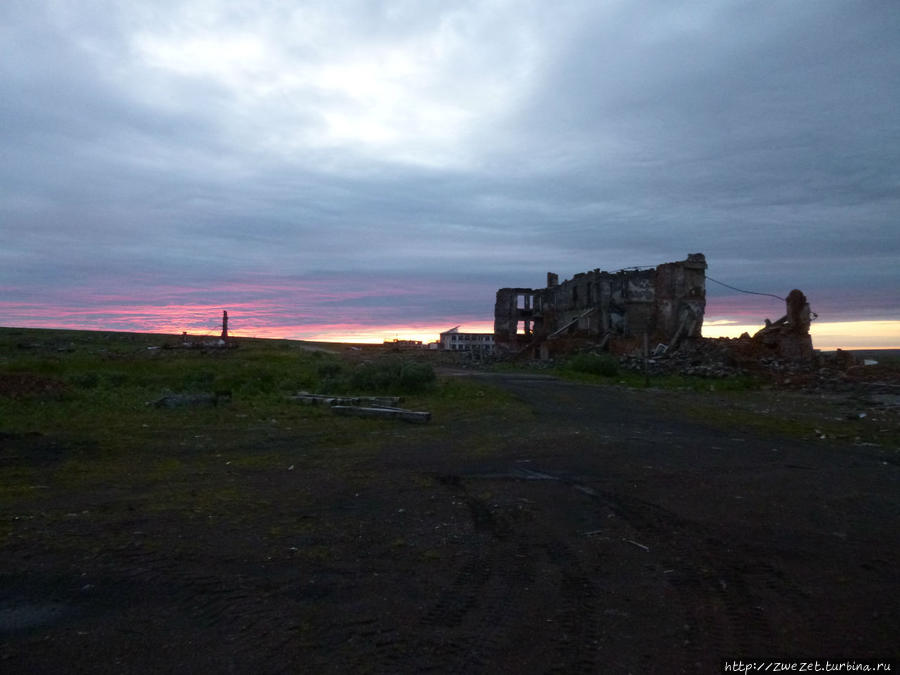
(454, 148)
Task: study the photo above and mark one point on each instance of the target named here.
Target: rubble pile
(725, 357)
(781, 354)
(699, 357)
(781, 351)
(837, 371)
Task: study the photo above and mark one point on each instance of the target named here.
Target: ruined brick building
(609, 309)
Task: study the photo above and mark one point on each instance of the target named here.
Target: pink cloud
(265, 307)
(336, 309)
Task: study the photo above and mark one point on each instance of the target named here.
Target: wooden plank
(419, 417)
(320, 399)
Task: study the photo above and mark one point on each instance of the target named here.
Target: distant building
(454, 341)
(404, 344)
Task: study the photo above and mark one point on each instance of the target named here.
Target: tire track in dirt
(471, 624)
(575, 650)
(716, 586)
(481, 601)
(715, 582)
(478, 619)
(502, 606)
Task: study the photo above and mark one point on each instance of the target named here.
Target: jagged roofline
(666, 301)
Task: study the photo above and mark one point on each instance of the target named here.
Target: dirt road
(597, 535)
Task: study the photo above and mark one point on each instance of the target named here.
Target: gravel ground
(605, 531)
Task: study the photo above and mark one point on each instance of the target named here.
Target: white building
(453, 340)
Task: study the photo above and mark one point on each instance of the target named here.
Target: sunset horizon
(826, 336)
(371, 171)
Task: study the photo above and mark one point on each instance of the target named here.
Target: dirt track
(600, 536)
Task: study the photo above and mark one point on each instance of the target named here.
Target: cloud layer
(352, 162)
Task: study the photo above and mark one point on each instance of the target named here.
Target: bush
(415, 376)
(329, 369)
(594, 364)
(392, 376)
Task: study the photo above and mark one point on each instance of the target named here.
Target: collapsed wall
(614, 309)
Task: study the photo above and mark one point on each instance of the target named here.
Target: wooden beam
(384, 413)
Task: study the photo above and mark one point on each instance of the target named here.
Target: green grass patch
(637, 380)
(606, 365)
(89, 397)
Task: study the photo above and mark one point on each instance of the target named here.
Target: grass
(604, 369)
(76, 410)
(76, 413)
(739, 402)
(792, 415)
(91, 388)
(604, 375)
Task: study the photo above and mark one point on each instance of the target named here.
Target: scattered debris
(632, 541)
(324, 399)
(388, 413)
(363, 406)
(621, 312)
(788, 337)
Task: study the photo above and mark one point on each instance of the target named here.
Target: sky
(364, 170)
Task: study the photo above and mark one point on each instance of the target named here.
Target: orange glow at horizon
(262, 320)
(378, 334)
(825, 334)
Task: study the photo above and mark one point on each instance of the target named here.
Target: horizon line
(385, 336)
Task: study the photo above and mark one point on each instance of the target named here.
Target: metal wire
(740, 290)
(721, 283)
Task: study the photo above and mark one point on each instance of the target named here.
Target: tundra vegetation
(81, 406)
(239, 512)
(94, 391)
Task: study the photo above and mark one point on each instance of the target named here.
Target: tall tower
(224, 325)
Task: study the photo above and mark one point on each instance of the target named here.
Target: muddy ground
(601, 532)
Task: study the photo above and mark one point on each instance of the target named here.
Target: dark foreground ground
(598, 533)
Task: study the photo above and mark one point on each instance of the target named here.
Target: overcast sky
(349, 164)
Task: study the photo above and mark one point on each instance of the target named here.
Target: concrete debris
(320, 399)
(216, 343)
(788, 337)
(634, 543)
(364, 406)
(623, 312)
(419, 417)
(838, 371)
